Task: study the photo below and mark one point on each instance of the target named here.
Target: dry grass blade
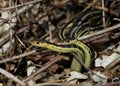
(10, 76)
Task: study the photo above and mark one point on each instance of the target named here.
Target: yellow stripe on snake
(76, 27)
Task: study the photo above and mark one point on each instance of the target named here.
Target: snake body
(76, 27)
(66, 49)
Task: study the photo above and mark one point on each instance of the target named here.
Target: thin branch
(17, 57)
(102, 37)
(117, 19)
(103, 14)
(20, 5)
(113, 64)
(112, 12)
(11, 76)
(44, 67)
(53, 84)
(106, 10)
(100, 32)
(20, 41)
(4, 39)
(11, 32)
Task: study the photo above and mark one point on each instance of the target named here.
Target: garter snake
(76, 27)
(62, 49)
(72, 27)
(85, 50)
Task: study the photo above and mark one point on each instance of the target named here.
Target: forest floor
(60, 43)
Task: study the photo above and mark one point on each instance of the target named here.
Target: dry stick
(106, 10)
(113, 64)
(11, 32)
(112, 12)
(17, 57)
(20, 5)
(90, 5)
(100, 32)
(53, 84)
(103, 14)
(4, 39)
(20, 41)
(10, 76)
(44, 67)
(117, 19)
(102, 38)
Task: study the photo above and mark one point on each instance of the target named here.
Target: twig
(11, 76)
(117, 19)
(117, 83)
(44, 67)
(20, 5)
(100, 32)
(17, 57)
(103, 14)
(20, 41)
(50, 29)
(95, 39)
(90, 5)
(103, 38)
(11, 32)
(112, 12)
(4, 39)
(53, 84)
(113, 64)
(106, 10)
